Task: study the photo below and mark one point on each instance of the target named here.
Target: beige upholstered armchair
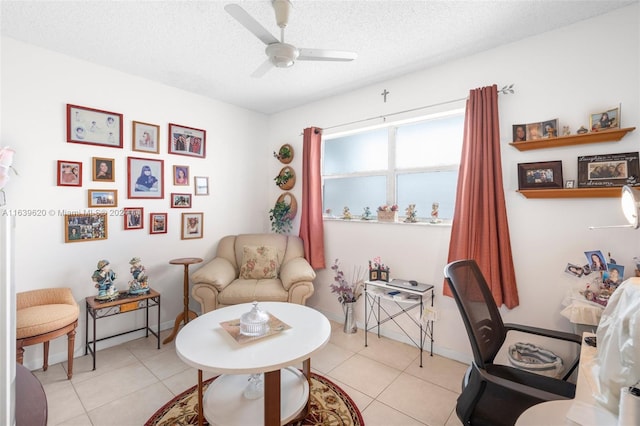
(254, 267)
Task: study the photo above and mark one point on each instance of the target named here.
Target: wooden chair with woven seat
(43, 315)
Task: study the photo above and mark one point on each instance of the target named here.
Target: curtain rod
(504, 91)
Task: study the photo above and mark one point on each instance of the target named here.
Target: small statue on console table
(103, 278)
(139, 284)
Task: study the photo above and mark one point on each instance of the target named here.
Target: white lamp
(631, 205)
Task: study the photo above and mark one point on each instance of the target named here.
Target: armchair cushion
(296, 270)
(219, 272)
(259, 262)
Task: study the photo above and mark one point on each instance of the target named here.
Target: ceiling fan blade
(326, 55)
(250, 23)
(262, 69)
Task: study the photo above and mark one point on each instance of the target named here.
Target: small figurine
(367, 215)
(103, 278)
(346, 214)
(434, 213)
(139, 284)
(411, 214)
(582, 130)
(566, 131)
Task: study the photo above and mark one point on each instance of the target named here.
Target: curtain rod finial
(507, 90)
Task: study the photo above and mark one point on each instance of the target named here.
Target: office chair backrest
(478, 309)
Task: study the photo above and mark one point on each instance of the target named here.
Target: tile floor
(134, 379)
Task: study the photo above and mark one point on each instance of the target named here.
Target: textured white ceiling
(198, 47)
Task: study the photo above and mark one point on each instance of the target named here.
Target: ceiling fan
(279, 53)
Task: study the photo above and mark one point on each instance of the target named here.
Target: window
(413, 163)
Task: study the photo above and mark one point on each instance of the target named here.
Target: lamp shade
(631, 205)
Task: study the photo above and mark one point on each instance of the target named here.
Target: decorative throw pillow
(259, 262)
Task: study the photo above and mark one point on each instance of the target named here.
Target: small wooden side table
(185, 315)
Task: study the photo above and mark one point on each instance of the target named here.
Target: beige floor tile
(106, 361)
(62, 401)
(365, 375)
(378, 414)
(100, 390)
(184, 380)
(361, 400)
(390, 352)
(55, 373)
(132, 409)
(352, 342)
(441, 371)
(81, 420)
(453, 420)
(419, 399)
(164, 364)
(330, 357)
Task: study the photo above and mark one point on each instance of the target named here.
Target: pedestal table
(186, 314)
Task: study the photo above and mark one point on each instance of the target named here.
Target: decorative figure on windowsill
(367, 215)
(103, 278)
(139, 284)
(346, 214)
(411, 214)
(434, 213)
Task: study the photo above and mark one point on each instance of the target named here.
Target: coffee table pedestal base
(224, 403)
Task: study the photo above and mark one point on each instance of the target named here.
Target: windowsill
(445, 223)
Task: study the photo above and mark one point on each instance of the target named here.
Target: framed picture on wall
(185, 140)
(94, 126)
(158, 223)
(85, 227)
(103, 169)
(145, 137)
(192, 225)
(608, 170)
(181, 175)
(541, 175)
(133, 218)
(180, 201)
(201, 185)
(69, 173)
(145, 178)
(102, 198)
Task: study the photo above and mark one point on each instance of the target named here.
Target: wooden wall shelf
(611, 192)
(613, 135)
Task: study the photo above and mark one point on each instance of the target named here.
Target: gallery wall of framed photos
(145, 175)
(598, 175)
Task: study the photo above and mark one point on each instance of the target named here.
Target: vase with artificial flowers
(348, 294)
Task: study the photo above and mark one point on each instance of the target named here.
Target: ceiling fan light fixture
(282, 55)
(282, 9)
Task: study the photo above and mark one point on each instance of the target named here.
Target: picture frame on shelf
(181, 175)
(550, 129)
(85, 227)
(133, 218)
(145, 178)
(157, 223)
(519, 132)
(569, 184)
(201, 185)
(192, 226)
(608, 170)
(188, 141)
(540, 175)
(145, 137)
(180, 201)
(102, 198)
(69, 173)
(534, 131)
(103, 169)
(94, 126)
(605, 120)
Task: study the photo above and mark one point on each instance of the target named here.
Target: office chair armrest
(519, 387)
(554, 334)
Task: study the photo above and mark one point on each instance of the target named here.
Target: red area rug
(329, 405)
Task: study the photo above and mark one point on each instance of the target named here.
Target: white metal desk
(375, 291)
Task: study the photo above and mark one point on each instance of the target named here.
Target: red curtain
(480, 230)
(311, 224)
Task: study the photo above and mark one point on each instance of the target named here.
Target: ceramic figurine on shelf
(434, 213)
(346, 214)
(582, 130)
(411, 214)
(367, 215)
(566, 131)
(139, 284)
(103, 278)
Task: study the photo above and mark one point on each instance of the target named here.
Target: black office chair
(494, 394)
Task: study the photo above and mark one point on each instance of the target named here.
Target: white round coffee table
(205, 345)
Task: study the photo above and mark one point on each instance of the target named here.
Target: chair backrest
(478, 309)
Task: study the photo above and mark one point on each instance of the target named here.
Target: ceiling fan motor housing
(282, 55)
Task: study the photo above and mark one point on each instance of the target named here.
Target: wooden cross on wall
(384, 94)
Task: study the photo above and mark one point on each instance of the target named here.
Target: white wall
(36, 86)
(565, 74)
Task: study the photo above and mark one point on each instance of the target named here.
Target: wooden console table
(186, 314)
(124, 303)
